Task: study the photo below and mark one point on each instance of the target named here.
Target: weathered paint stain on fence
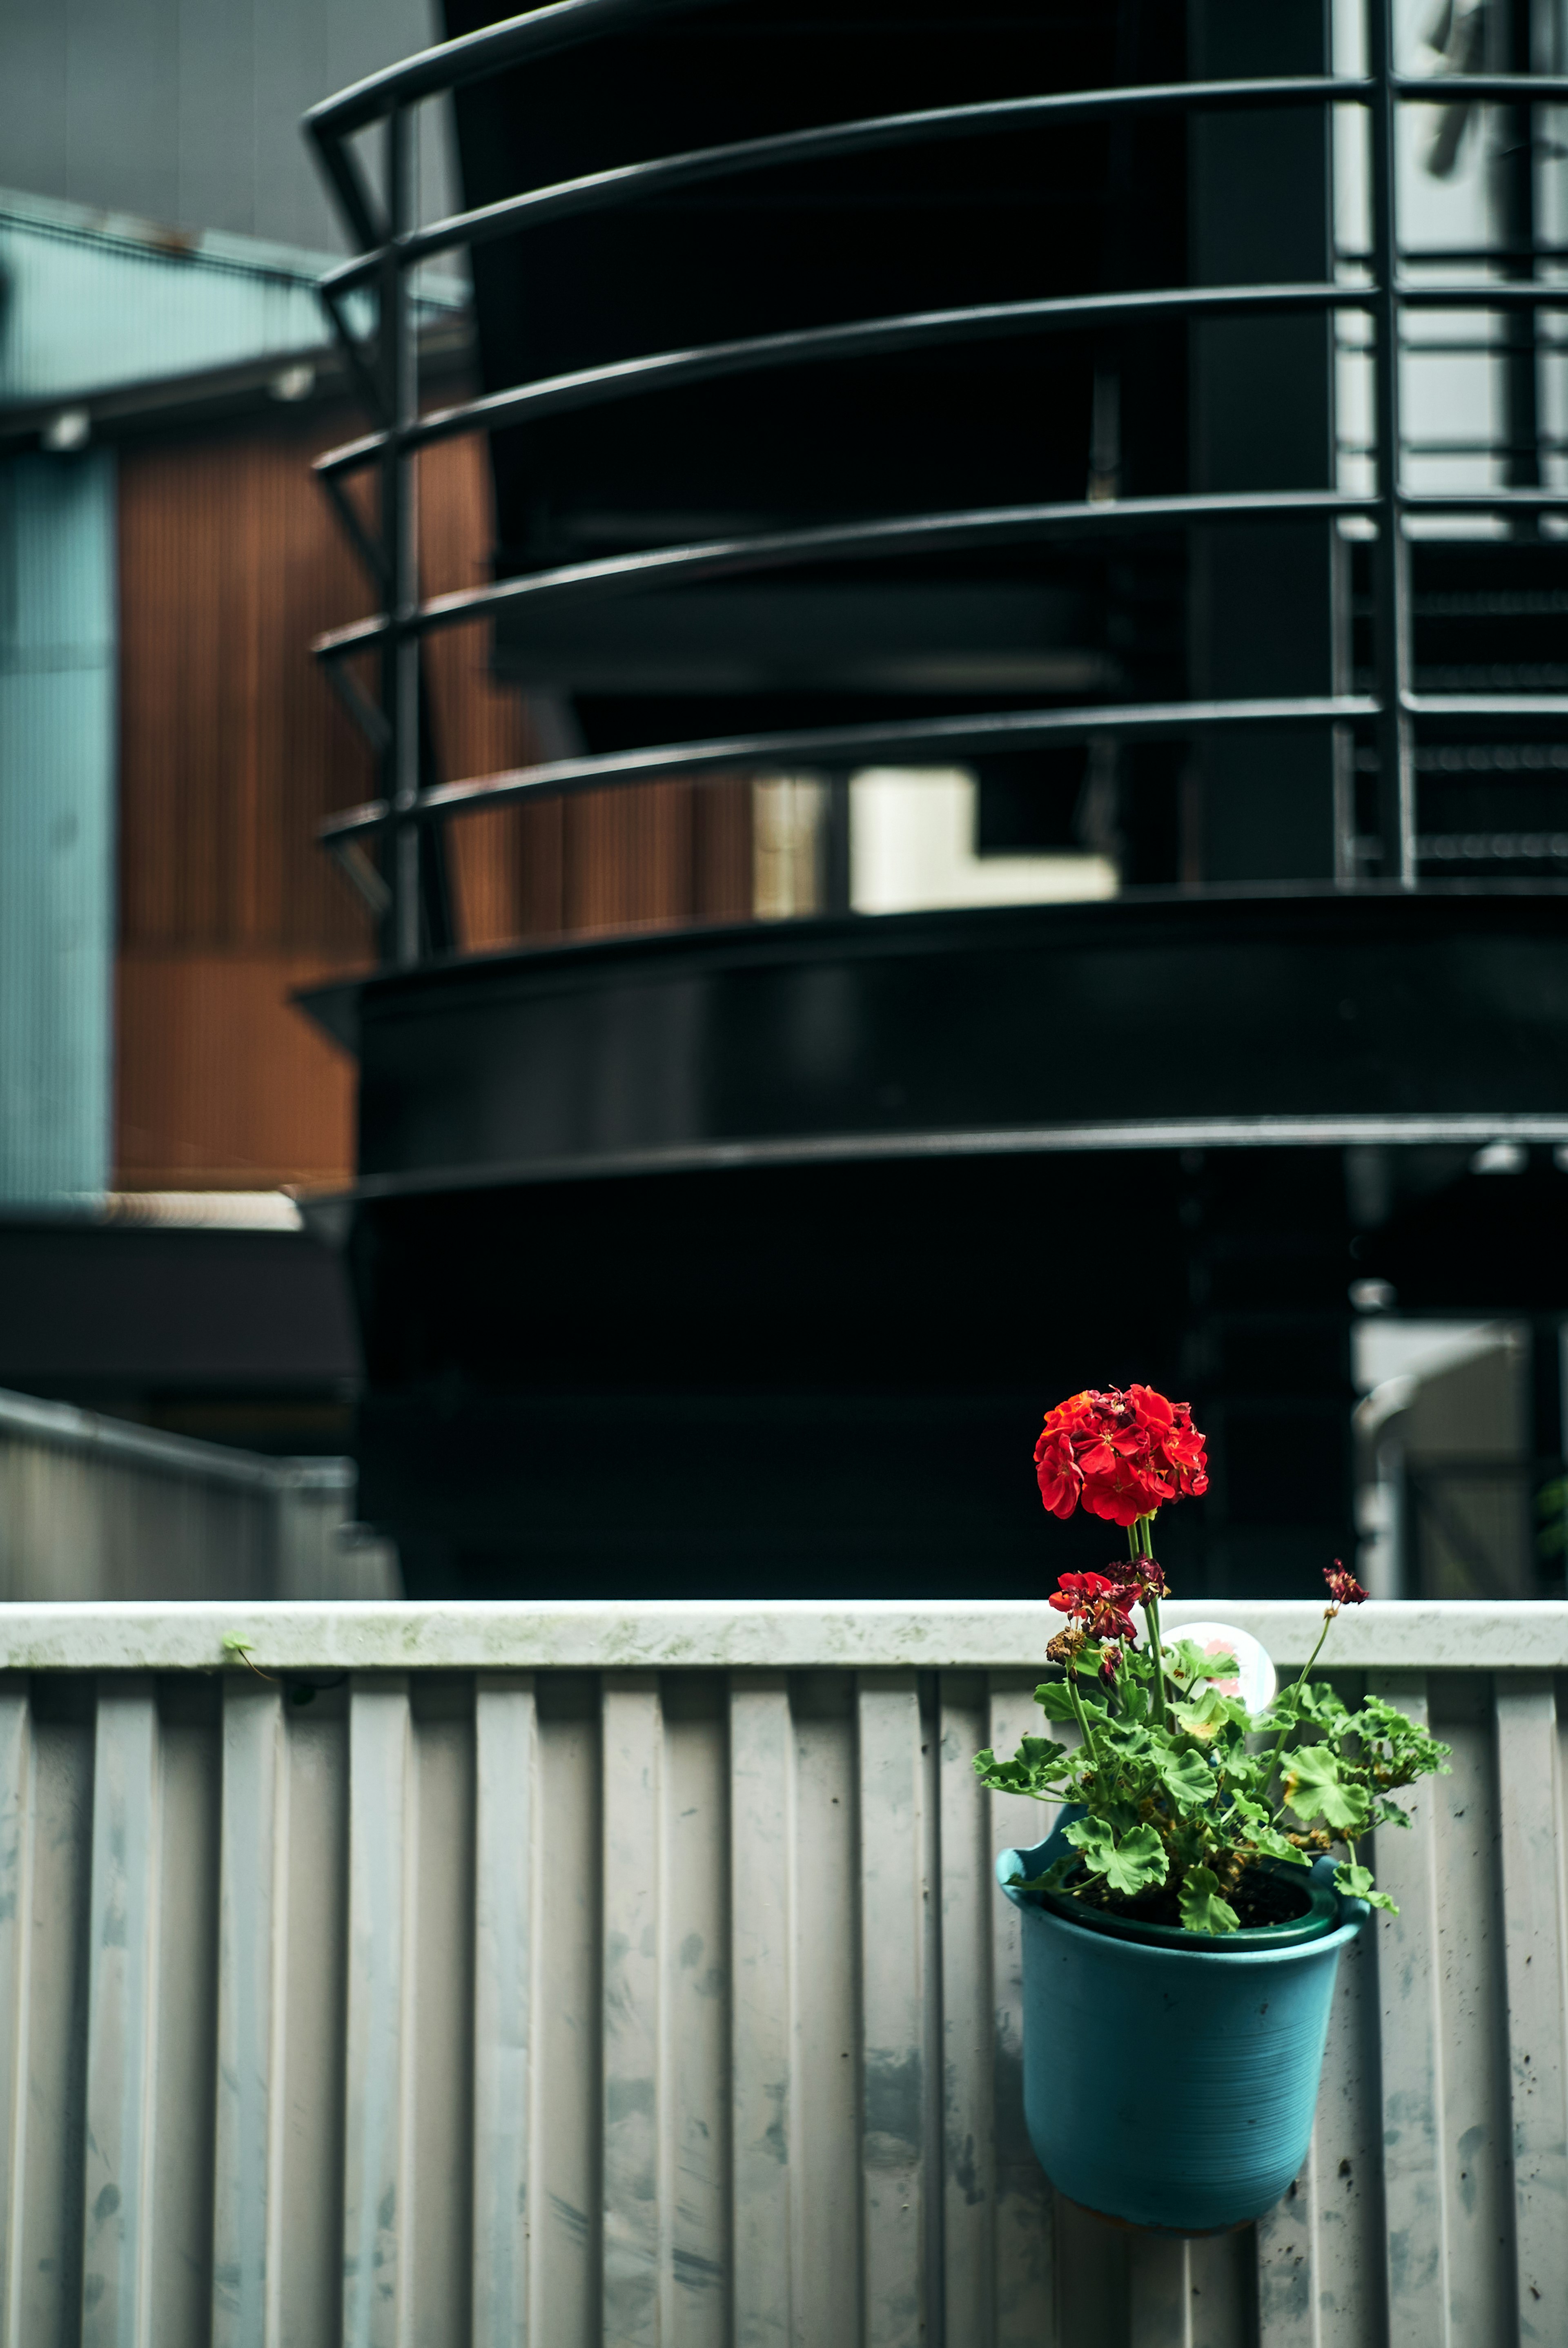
(676, 2006)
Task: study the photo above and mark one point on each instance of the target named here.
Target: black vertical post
(400, 662)
(1548, 1517)
(836, 877)
(1390, 557)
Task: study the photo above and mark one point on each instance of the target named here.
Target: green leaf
(1355, 1883)
(1191, 1664)
(1315, 1788)
(1055, 1700)
(237, 1644)
(1203, 1909)
(1208, 1713)
(1188, 1778)
(1129, 1863)
(1034, 1769)
(1053, 1880)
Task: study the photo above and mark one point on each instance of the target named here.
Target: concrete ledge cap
(765, 1634)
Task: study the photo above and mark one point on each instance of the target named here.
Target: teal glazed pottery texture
(1171, 2086)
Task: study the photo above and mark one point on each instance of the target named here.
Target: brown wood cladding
(232, 748)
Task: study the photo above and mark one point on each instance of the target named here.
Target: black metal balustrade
(1391, 729)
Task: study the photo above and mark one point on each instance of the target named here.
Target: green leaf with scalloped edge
(1202, 1907)
(1191, 1664)
(1055, 1700)
(1130, 1862)
(1187, 1778)
(1355, 1883)
(1314, 1788)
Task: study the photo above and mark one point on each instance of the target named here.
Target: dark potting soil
(1260, 1898)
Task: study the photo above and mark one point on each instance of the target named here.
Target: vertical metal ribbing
(1159, 2293)
(1390, 558)
(893, 1895)
(1288, 2273)
(636, 2189)
(117, 2249)
(1025, 2287)
(763, 1860)
(1535, 1946)
(253, 1873)
(15, 1902)
(381, 1863)
(503, 1764)
(400, 536)
(969, 1896)
(1416, 2185)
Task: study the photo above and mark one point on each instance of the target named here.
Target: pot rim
(1150, 1952)
(1194, 1949)
(1321, 1916)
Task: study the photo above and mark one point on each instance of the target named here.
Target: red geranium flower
(1343, 1586)
(1122, 1455)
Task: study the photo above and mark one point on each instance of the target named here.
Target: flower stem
(1141, 1539)
(1083, 1728)
(1279, 1743)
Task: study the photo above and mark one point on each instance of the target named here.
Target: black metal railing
(412, 802)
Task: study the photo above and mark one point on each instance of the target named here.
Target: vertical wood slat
(636, 2189)
(121, 2004)
(1534, 1947)
(763, 1859)
(246, 2251)
(504, 1744)
(1025, 2302)
(375, 2215)
(969, 1896)
(15, 1902)
(893, 1895)
(1415, 2180)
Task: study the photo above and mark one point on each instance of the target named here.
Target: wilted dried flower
(1096, 1602)
(1344, 1589)
(1143, 1579)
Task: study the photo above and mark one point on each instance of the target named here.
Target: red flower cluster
(1123, 1455)
(1343, 1586)
(1098, 1605)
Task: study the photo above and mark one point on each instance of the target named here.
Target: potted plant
(1183, 1922)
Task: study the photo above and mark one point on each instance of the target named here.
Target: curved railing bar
(629, 183)
(879, 338)
(993, 731)
(1486, 704)
(543, 32)
(612, 576)
(815, 345)
(474, 56)
(1464, 89)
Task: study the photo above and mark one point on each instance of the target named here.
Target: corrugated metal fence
(92, 1507)
(588, 1974)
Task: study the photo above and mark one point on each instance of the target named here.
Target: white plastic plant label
(1256, 1679)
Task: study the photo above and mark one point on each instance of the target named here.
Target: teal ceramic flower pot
(1171, 2083)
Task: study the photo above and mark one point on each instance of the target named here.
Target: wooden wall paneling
(233, 749)
(221, 1083)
